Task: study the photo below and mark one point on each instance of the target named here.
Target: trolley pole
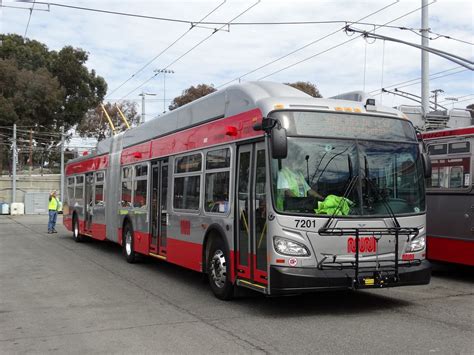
(425, 64)
(14, 159)
(62, 164)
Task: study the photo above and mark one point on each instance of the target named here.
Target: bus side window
(140, 186)
(79, 190)
(187, 182)
(217, 181)
(70, 189)
(99, 189)
(126, 200)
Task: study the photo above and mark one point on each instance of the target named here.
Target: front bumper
(291, 280)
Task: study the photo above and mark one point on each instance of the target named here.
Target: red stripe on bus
(141, 242)
(99, 231)
(205, 135)
(183, 253)
(92, 164)
(67, 222)
(450, 250)
(449, 133)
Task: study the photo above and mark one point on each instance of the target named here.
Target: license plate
(366, 245)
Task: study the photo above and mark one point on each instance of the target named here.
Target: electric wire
(192, 48)
(163, 51)
(341, 44)
(304, 46)
(408, 81)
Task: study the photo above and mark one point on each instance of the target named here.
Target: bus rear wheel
(75, 230)
(218, 270)
(127, 244)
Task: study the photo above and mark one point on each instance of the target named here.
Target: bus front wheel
(218, 270)
(127, 241)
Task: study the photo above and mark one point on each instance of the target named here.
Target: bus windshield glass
(353, 177)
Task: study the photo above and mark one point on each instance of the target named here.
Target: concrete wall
(26, 183)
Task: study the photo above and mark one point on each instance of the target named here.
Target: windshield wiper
(326, 166)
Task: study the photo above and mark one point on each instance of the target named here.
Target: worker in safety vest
(292, 183)
(53, 208)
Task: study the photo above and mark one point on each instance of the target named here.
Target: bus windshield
(323, 176)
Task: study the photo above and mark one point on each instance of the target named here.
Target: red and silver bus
(204, 187)
(450, 196)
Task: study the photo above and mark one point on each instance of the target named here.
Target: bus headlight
(416, 244)
(289, 247)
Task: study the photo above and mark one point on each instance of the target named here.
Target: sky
(322, 53)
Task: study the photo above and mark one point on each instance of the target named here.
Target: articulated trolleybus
(450, 196)
(262, 186)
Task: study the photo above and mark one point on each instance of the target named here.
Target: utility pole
(14, 164)
(425, 65)
(435, 95)
(62, 164)
(143, 94)
(30, 159)
(164, 71)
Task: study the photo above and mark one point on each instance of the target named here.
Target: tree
(306, 87)
(81, 89)
(30, 98)
(190, 94)
(96, 125)
(471, 109)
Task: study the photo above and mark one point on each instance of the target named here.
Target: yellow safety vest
(53, 204)
(296, 184)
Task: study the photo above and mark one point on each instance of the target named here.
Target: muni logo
(366, 245)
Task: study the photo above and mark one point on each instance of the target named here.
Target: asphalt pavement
(58, 296)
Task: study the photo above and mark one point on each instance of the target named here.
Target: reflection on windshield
(342, 177)
(394, 176)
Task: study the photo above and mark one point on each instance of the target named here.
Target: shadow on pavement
(455, 272)
(320, 303)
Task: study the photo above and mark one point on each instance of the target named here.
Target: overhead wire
(341, 44)
(304, 46)
(29, 18)
(163, 51)
(408, 81)
(192, 48)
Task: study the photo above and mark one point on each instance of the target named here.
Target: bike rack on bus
(367, 276)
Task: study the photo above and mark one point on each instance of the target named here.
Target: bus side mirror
(278, 142)
(277, 133)
(426, 165)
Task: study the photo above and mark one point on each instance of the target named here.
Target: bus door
(88, 203)
(251, 245)
(158, 206)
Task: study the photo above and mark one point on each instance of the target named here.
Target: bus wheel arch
(213, 231)
(128, 241)
(218, 265)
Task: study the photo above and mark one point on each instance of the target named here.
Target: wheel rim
(128, 243)
(218, 268)
(76, 230)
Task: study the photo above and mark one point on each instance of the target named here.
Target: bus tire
(75, 230)
(218, 270)
(128, 243)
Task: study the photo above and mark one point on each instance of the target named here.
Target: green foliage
(190, 94)
(95, 124)
(306, 87)
(44, 87)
